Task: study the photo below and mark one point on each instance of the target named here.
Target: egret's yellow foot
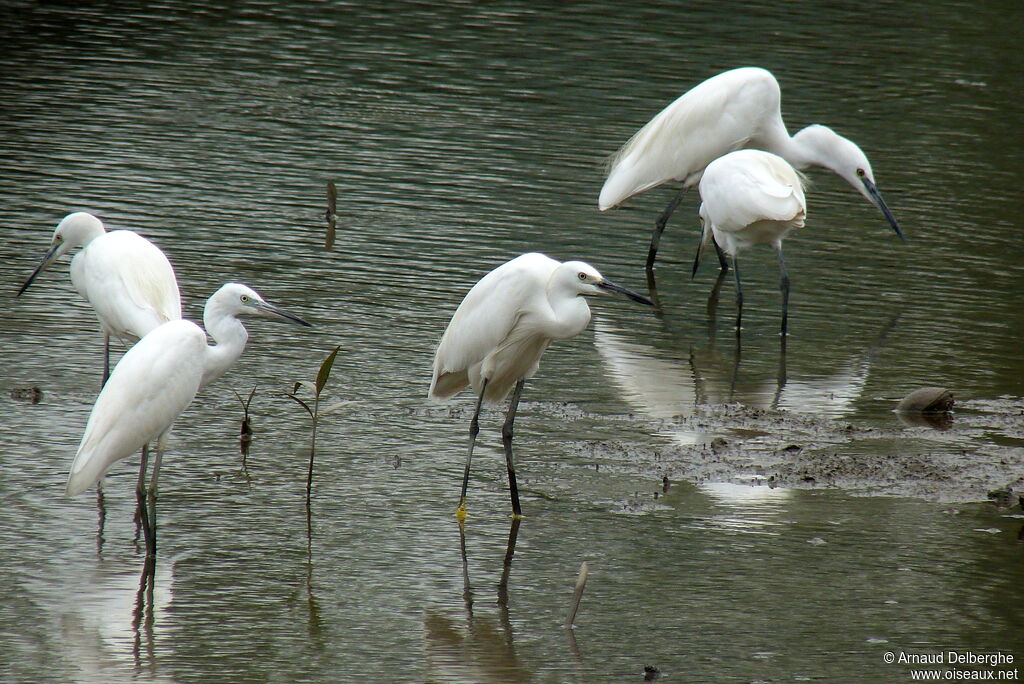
(460, 512)
(517, 516)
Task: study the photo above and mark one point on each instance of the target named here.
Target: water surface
(460, 135)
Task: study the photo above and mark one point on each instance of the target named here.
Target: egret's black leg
(785, 292)
(474, 430)
(506, 440)
(739, 294)
(700, 248)
(151, 496)
(140, 497)
(723, 263)
(106, 360)
(659, 227)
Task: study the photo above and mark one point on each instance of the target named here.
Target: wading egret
(125, 277)
(750, 197)
(733, 110)
(155, 381)
(501, 329)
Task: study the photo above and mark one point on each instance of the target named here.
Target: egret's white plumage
(502, 328)
(126, 278)
(157, 379)
(506, 322)
(751, 197)
(736, 109)
(148, 389)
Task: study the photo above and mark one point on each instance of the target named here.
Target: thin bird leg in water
(140, 496)
(659, 227)
(161, 443)
(506, 440)
(739, 294)
(700, 249)
(106, 359)
(474, 430)
(785, 292)
(722, 261)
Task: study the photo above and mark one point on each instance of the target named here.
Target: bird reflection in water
(481, 650)
(661, 384)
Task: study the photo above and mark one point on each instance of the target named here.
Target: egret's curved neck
(571, 312)
(811, 146)
(230, 337)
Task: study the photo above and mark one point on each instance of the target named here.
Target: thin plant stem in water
(314, 411)
(245, 439)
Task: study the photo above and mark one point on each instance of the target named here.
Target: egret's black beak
(880, 203)
(612, 287)
(271, 311)
(48, 259)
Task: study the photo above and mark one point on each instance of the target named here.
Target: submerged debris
(32, 395)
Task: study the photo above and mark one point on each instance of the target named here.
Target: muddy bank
(978, 456)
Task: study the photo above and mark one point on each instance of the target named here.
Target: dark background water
(460, 135)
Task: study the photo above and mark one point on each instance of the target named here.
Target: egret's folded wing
(148, 389)
(485, 318)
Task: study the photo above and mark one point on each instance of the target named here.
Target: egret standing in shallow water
(125, 277)
(736, 109)
(501, 329)
(751, 197)
(154, 383)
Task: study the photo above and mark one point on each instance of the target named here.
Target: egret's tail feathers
(86, 470)
(447, 384)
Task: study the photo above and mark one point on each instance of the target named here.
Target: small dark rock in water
(33, 395)
(718, 444)
(1001, 497)
(651, 673)
(927, 400)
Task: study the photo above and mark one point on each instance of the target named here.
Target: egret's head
(235, 299)
(586, 280)
(827, 148)
(74, 230)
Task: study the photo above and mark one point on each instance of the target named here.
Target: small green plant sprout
(314, 411)
(246, 433)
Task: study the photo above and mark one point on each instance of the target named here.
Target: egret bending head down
(501, 330)
(127, 280)
(736, 109)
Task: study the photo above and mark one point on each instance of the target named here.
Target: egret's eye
(860, 172)
(582, 275)
(245, 299)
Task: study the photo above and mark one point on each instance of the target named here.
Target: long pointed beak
(876, 196)
(612, 287)
(48, 259)
(271, 311)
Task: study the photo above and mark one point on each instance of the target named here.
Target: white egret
(733, 110)
(751, 197)
(501, 329)
(125, 277)
(154, 383)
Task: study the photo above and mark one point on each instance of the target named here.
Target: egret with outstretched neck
(127, 280)
(736, 109)
(154, 383)
(501, 330)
